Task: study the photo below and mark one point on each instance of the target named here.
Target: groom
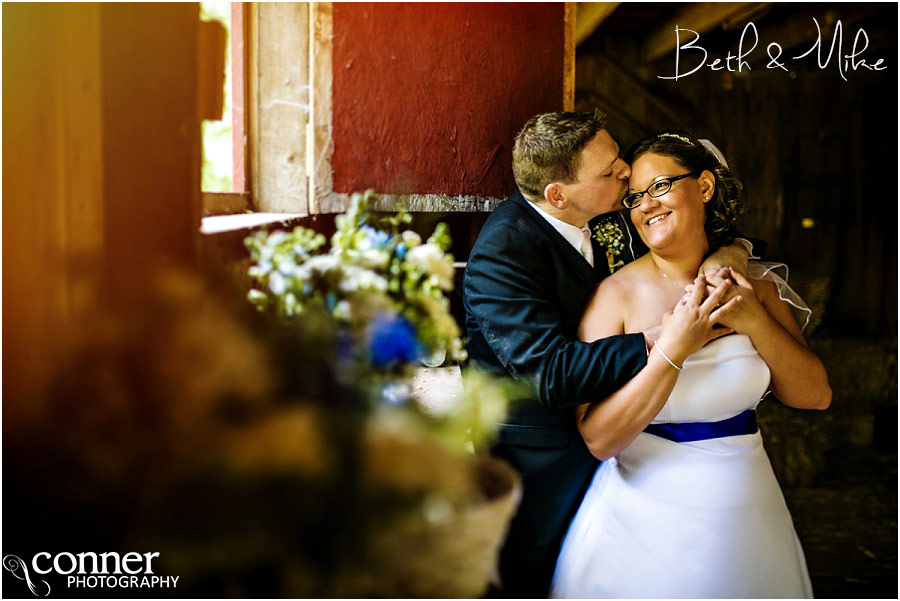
(528, 279)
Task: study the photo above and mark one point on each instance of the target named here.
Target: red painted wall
(428, 97)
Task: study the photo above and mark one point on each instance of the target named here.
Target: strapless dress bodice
(722, 379)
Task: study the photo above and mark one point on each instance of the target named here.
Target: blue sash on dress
(742, 423)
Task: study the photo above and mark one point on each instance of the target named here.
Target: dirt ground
(847, 522)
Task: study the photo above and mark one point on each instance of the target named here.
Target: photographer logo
(89, 570)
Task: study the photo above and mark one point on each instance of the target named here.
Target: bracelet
(666, 357)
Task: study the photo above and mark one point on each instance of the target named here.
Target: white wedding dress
(693, 519)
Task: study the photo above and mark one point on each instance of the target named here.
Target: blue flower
(392, 339)
(401, 251)
(375, 238)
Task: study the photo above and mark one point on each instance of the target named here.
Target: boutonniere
(610, 236)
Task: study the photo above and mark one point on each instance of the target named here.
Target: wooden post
(280, 106)
(569, 58)
(238, 117)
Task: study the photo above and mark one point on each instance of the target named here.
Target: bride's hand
(741, 308)
(713, 279)
(691, 324)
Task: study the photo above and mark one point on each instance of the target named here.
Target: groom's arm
(736, 256)
(508, 293)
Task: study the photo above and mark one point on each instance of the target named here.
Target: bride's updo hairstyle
(726, 205)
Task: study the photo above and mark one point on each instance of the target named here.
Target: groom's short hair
(548, 147)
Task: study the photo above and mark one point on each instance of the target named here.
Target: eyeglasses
(656, 189)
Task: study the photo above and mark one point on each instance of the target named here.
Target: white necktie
(587, 250)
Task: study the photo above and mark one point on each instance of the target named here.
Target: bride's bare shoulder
(619, 284)
(637, 269)
(607, 308)
(626, 280)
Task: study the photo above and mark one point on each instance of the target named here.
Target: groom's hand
(734, 256)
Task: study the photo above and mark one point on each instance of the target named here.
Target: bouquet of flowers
(384, 287)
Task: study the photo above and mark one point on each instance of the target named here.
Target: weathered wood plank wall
(427, 98)
(807, 147)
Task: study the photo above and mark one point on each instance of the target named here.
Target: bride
(685, 503)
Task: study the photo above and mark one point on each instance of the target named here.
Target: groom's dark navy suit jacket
(524, 292)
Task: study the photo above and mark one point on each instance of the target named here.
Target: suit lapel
(573, 257)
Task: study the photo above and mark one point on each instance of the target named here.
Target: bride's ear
(707, 184)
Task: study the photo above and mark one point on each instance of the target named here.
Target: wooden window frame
(238, 200)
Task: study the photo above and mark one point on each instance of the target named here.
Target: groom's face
(601, 179)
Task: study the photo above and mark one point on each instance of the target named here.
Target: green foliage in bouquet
(383, 286)
(473, 419)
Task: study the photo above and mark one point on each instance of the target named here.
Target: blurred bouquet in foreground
(183, 421)
(382, 284)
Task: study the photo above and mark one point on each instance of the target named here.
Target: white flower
(287, 266)
(434, 262)
(411, 239)
(322, 264)
(342, 310)
(444, 323)
(264, 267)
(459, 353)
(373, 258)
(356, 278)
(609, 234)
(276, 239)
(277, 283)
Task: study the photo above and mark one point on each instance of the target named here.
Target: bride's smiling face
(679, 214)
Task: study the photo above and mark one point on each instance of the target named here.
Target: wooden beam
(700, 17)
(225, 203)
(589, 16)
(279, 106)
(612, 108)
(642, 90)
(337, 202)
(569, 57)
(251, 100)
(239, 35)
(319, 143)
(211, 37)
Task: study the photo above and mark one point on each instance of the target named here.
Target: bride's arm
(609, 425)
(798, 376)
